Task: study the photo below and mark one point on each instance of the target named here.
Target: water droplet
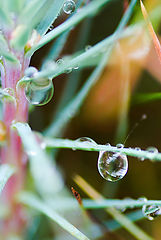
(120, 145)
(69, 70)
(151, 211)
(86, 139)
(88, 47)
(138, 149)
(142, 159)
(30, 72)
(143, 199)
(60, 61)
(76, 67)
(152, 150)
(112, 166)
(39, 92)
(69, 6)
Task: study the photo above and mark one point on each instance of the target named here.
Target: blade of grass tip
(71, 109)
(6, 171)
(120, 218)
(32, 201)
(46, 177)
(49, 17)
(86, 11)
(151, 31)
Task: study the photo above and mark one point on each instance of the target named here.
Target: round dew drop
(112, 166)
(151, 211)
(69, 6)
(39, 92)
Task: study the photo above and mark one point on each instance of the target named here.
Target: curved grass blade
(151, 31)
(6, 171)
(32, 201)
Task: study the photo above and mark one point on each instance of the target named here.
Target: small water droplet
(143, 199)
(120, 145)
(30, 72)
(152, 150)
(138, 149)
(151, 211)
(142, 159)
(112, 166)
(88, 47)
(69, 6)
(39, 92)
(60, 61)
(86, 139)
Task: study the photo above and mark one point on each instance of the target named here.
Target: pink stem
(12, 152)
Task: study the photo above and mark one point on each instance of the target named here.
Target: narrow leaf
(151, 31)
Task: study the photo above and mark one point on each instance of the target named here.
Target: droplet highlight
(39, 92)
(151, 211)
(69, 7)
(112, 166)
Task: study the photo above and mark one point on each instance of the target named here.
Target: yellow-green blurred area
(111, 111)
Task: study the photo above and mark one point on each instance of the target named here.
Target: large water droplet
(39, 92)
(151, 211)
(112, 166)
(69, 6)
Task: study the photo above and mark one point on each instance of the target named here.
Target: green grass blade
(6, 171)
(50, 16)
(146, 97)
(130, 203)
(37, 204)
(90, 9)
(71, 144)
(46, 177)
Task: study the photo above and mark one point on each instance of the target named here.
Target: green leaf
(32, 201)
(46, 177)
(91, 9)
(6, 171)
(50, 16)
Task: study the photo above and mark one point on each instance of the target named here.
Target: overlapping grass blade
(37, 204)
